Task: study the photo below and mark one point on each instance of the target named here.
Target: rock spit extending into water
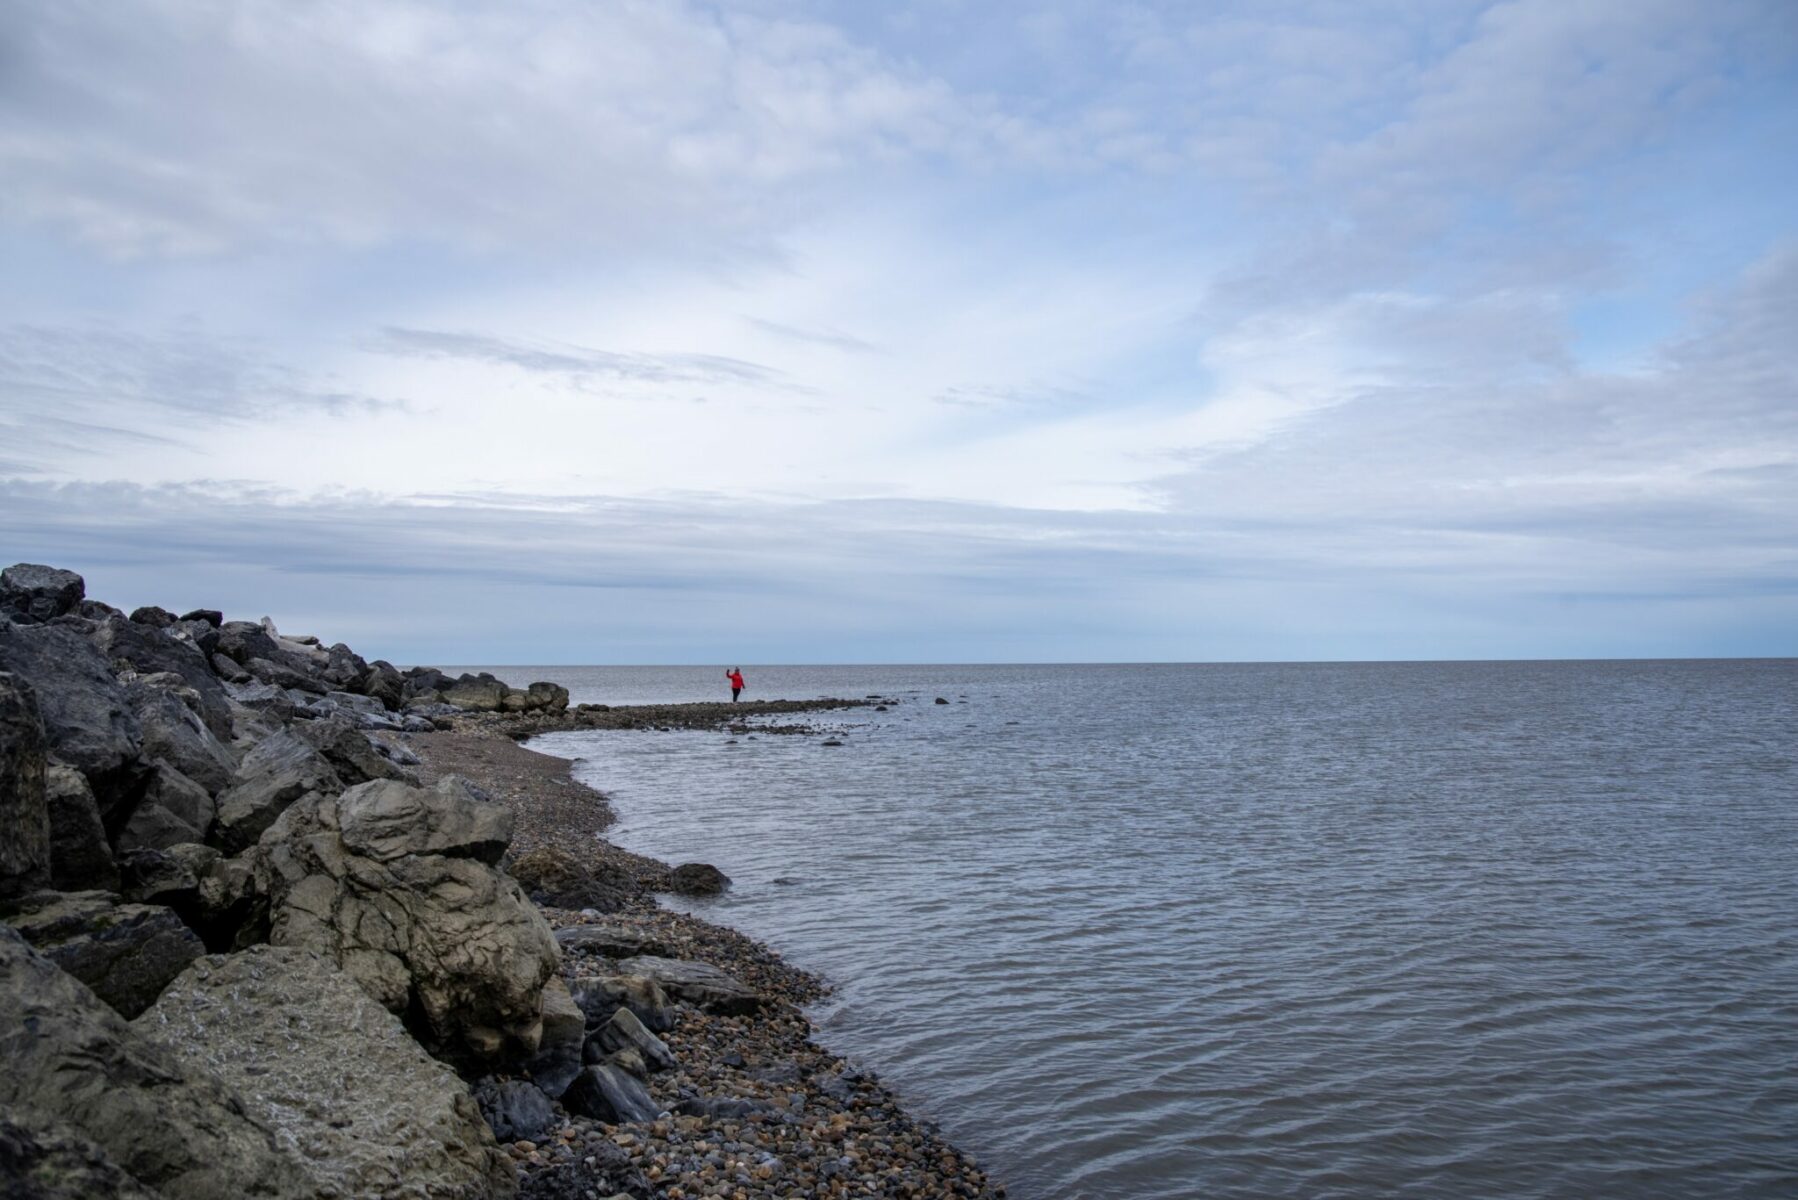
(176, 784)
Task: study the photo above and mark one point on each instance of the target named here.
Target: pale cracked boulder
(397, 885)
(71, 1059)
(360, 1101)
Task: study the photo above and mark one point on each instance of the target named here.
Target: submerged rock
(698, 879)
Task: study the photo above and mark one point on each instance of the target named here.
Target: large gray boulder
(80, 856)
(625, 1032)
(174, 810)
(71, 1058)
(349, 751)
(87, 722)
(24, 819)
(31, 594)
(146, 650)
(599, 996)
(481, 693)
(46, 1160)
(240, 641)
(127, 953)
(395, 884)
(277, 771)
(173, 729)
(357, 1099)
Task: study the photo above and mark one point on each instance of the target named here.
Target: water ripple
(1407, 930)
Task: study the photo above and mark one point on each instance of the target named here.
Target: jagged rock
(344, 667)
(127, 953)
(515, 1110)
(211, 616)
(71, 1058)
(273, 703)
(80, 856)
(368, 1110)
(283, 676)
(625, 1032)
(697, 983)
(228, 670)
(169, 877)
(350, 752)
(87, 723)
(612, 940)
(558, 1057)
(556, 877)
(174, 730)
(383, 682)
(240, 641)
(697, 879)
(25, 839)
(49, 1161)
(152, 652)
(277, 771)
(476, 693)
(31, 594)
(229, 913)
(153, 615)
(174, 809)
(609, 1093)
(599, 996)
(550, 697)
(385, 820)
(394, 883)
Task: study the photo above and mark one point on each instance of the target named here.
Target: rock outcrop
(396, 885)
(126, 953)
(364, 1105)
(71, 1059)
(24, 819)
(87, 722)
(32, 594)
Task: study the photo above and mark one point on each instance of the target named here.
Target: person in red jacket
(736, 683)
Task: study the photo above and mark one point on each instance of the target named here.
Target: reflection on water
(1287, 930)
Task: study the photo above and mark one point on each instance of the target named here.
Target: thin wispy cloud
(1060, 330)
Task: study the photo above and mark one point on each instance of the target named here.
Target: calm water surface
(1420, 930)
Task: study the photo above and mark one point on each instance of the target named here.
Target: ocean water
(1371, 930)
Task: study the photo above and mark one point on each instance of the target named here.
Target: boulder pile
(243, 953)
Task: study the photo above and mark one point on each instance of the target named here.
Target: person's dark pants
(734, 693)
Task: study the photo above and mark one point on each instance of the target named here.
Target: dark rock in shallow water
(367, 1109)
(87, 722)
(49, 1161)
(515, 1110)
(80, 856)
(33, 593)
(940, 700)
(611, 1094)
(697, 879)
(25, 838)
(127, 953)
(556, 877)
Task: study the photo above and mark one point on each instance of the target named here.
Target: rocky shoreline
(279, 921)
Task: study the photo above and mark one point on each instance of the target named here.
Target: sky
(799, 331)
